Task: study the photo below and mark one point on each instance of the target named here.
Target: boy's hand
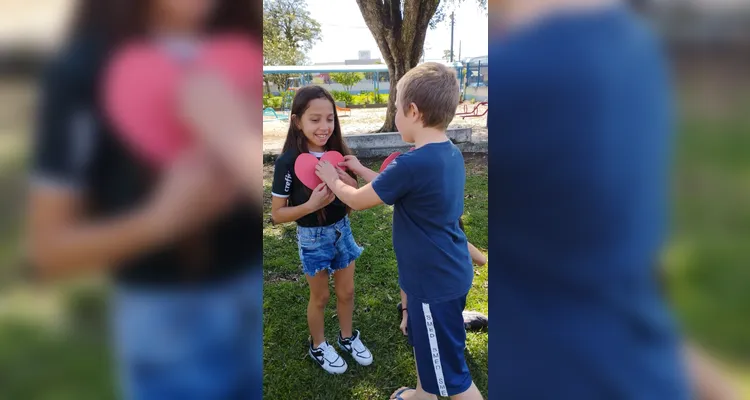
(326, 172)
(346, 178)
(404, 318)
(352, 163)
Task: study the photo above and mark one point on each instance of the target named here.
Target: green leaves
(347, 79)
(289, 32)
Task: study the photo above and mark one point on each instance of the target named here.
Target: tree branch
(376, 18)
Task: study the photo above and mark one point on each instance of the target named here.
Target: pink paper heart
(389, 160)
(304, 168)
(333, 157)
(141, 86)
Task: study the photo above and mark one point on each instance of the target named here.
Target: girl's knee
(320, 300)
(345, 294)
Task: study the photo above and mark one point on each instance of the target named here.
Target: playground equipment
(286, 107)
(341, 109)
(270, 112)
(475, 112)
(302, 72)
(476, 79)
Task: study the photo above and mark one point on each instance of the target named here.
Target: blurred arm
(61, 242)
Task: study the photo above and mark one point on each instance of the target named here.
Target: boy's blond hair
(433, 87)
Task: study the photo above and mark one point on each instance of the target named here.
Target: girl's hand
(326, 172)
(346, 178)
(477, 256)
(352, 163)
(404, 318)
(192, 192)
(320, 197)
(213, 109)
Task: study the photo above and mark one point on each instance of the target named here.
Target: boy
(426, 187)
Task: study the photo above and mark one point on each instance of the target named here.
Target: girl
(325, 240)
(181, 331)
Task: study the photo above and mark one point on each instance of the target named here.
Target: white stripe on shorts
(434, 349)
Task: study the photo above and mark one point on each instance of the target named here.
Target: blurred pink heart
(142, 82)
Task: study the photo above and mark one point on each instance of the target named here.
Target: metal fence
(476, 79)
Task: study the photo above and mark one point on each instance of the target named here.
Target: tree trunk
(268, 87)
(400, 36)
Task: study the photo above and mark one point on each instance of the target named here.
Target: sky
(344, 32)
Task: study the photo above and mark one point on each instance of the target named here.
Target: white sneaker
(356, 348)
(328, 359)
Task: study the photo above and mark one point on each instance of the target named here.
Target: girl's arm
(355, 166)
(347, 178)
(404, 313)
(282, 213)
(62, 243)
(476, 256)
(62, 240)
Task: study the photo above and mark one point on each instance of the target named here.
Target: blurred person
(184, 248)
(708, 379)
(582, 108)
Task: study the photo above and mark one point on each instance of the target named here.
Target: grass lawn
(54, 341)
(291, 374)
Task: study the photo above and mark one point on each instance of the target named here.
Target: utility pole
(453, 22)
(459, 51)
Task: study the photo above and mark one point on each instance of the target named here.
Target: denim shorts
(192, 343)
(327, 247)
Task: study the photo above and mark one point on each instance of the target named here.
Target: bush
(273, 102)
(346, 97)
(365, 98)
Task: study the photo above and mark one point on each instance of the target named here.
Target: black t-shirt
(287, 185)
(76, 148)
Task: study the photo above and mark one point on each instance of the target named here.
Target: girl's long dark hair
(295, 138)
(120, 20)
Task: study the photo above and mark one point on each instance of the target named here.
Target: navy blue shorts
(328, 248)
(437, 333)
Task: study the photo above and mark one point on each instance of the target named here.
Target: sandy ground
(366, 120)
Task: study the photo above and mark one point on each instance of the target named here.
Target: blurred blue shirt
(579, 160)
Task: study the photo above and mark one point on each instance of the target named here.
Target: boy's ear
(414, 109)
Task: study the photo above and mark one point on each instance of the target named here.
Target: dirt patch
(367, 120)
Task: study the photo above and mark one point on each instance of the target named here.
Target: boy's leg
(343, 281)
(319, 295)
(418, 393)
(471, 394)
(437, 333)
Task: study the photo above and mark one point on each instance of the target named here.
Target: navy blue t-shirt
(579, 160)
(426, 188)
